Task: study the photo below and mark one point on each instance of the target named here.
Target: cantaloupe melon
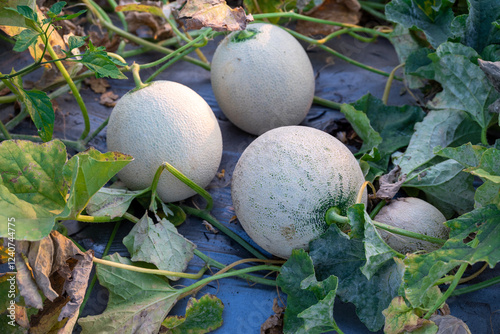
(166, 122)
(286, 180)
(262, 78)
(415, 215)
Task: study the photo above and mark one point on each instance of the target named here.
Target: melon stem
(137, 78)
(333, 216)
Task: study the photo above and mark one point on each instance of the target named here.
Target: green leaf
(488, 193)
(309, 301)
(465, 86)
(70, 16)
(202, 316)
(489, 167)
(10, 17)
(399, 316)
(334, 253)
(264, 6)
(27, 12)
(394, 123)
(433, 17)
(32, 189)
(479, 28)
(101, 64)
(373, 164)
(377, 252)
(87, 172)
(25, 39)
(419, 64)
(41, 111)
(138, 302)
(467, 155)
(422, 271)
(111, 202)
(439, 180)
(57, 7)
(361, 124)
(75, 42)
(155, 10)
(159, 244)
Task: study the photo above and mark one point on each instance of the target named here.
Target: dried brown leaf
(108, 99)
(390, 184)
(215, 14)
(343, 11)
(159, 28)
(25, 282)
(98, 85)
(450, 325)
(40, 257)
(274, 324)
(209, 227)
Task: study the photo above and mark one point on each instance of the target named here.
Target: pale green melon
(414, 215)
(286, 180)
(264, 81)
(166, 122)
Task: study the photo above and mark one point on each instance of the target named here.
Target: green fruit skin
(286, 180)
(262, 82)
(165, 122)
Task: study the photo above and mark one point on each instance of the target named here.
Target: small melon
(262, 78)
(286, 180)
(415, 215)
(165, 122)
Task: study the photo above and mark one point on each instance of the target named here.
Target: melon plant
(165, 122)
(414, 215)
(262, 78)
(286, 180)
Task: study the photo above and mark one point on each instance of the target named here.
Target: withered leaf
(159, 27)
(25, 282)
(98, 85)
(215, 14)
(274, 324)
(450, 325)
(343, 11)
(108, 99)
(61, 271)
(390, 184)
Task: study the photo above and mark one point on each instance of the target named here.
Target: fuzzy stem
(207, 280)
(211, 262)
(377, 208)
(206, 216)
(4, 131)
(478, 286)
(149, 271)
(202, 192)
(448, 292)
(91, 219)
(326, 103)
(96, 132)
(333, 216)
(139, 40)
(137, 78)
(484, 138)
(387, 90)
(337, 54)
(121, 16)
(176, 52)
(77, 145)
(8, 99)
(74, 89)
(362, 190)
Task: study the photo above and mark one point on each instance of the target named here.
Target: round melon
(286, 180)
(262, 78)
(165, 122)
(415, 215)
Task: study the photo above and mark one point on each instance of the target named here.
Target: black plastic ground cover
(247, 306)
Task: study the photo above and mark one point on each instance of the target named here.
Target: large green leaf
(479, 30)
(138, 302)
(465, 86)
(87, 172)
(32, 189)
(422, 271)
(394, 123)
(433, 17)
(159, 244)
(11, 18)
(361, 124)
(202, 316)
(334, 253)
(111, 202)
(309, 301)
